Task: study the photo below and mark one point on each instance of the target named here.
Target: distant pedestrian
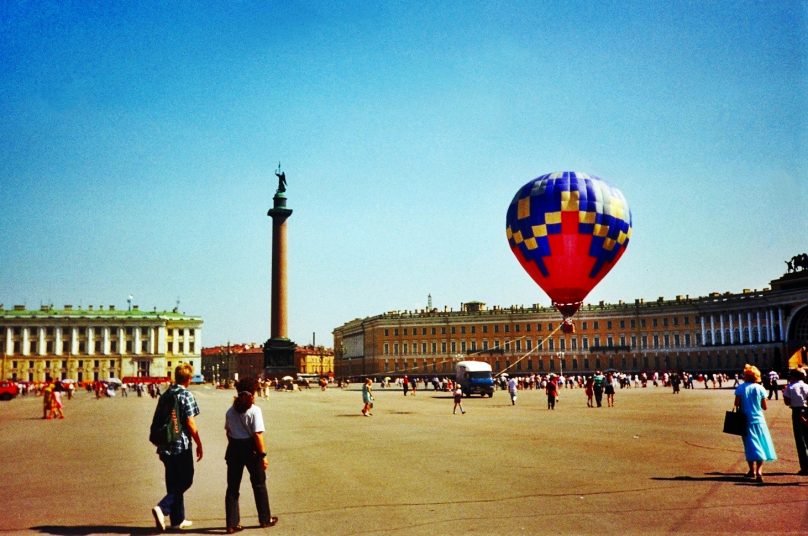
(598, 380)
(512, 387)
(47, 399)
(405, 382)
(750, 397)
(458, 401)
(244, 426)
(552, 392)
(589, 389)
(609, 390)
(675, 381)
(774, 385)
(367, 397)
(57, 405)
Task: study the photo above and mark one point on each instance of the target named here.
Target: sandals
(237, 528)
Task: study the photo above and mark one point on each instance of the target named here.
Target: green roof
(49, 312)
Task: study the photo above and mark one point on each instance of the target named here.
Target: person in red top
(405, 382)
(552, 391)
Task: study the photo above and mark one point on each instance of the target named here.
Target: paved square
(654, 464)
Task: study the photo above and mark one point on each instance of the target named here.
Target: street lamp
(560, 356)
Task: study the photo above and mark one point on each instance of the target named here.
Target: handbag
(735, 422)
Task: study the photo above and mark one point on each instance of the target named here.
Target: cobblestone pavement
(654, 464)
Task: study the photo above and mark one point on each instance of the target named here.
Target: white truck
(475, 377)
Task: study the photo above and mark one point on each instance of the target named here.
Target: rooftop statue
(797, 263)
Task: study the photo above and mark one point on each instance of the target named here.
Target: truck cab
(475, 377)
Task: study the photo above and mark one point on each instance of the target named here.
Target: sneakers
(184, 525)
(159, 518)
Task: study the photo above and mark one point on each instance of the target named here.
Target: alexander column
(279, 351)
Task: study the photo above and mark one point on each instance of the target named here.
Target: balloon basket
(567, 326)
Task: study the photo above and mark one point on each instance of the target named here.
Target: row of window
(643, 342)
(47, 363)
(82, 330)
(636, 363)
(528, 327)
(84, 348)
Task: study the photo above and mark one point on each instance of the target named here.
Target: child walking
(458, 399)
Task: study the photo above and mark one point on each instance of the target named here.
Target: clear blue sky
(139, 141)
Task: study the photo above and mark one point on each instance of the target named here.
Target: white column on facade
(121, 340)
(74, 340)
(712, 329)
(721, 326)
(186, 342)
(26, 343)
(9, 340)
(175, 343)
(162, 346)
(782, 324)
(750, 326)
(106, 345)
(703, 331)
(770, 323)
(731, 329)
(40, 342)
(765, 326)
(90, 341)
(137, 341)
(57, 340)
(740, 328)
(152, 340)
(197, 341)
(759, 331)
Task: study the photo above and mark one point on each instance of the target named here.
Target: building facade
(719, 332)
(96, 343)
(230, 362)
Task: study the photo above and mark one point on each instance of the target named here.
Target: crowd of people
(245, 427)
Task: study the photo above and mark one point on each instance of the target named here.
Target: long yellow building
(719, 332)
(95, 343)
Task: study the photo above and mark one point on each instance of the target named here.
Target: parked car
(8, 390)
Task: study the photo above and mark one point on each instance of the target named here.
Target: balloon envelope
(568, 229)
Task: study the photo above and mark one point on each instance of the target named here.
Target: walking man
(177, 456)
(795, 396)
(774, 385)
(512, 390)
(599, 379)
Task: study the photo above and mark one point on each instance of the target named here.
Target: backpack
(166, 426)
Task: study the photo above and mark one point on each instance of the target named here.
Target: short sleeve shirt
(187, 408)
(750, 395)
(797, 394)
(244, 425)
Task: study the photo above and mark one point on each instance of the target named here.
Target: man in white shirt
(774, 385)
(795, 396)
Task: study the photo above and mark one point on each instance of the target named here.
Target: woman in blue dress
(750, 397)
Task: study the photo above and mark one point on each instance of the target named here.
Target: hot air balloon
(568, 229)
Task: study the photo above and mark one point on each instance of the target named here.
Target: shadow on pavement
(730, 478)
(92, 529)
(86, 530)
